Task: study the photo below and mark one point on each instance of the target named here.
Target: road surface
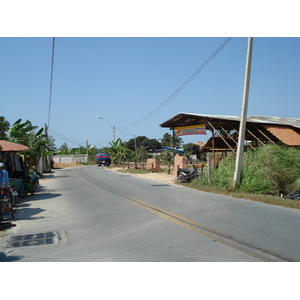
(93, 214)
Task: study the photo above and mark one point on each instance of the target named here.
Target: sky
(123, 78)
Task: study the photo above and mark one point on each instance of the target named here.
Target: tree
(26, 134)
(37, 148)
(167, 140)
(4, 128)
(143, 141)
(118, 151)
(191, 148)
(142, 154)
(63, 149)
(21, 132)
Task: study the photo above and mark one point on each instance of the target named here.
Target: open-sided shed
(225, 129)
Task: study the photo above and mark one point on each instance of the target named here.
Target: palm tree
(167, 140)
(4, 128)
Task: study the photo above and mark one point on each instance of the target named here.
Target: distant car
(103, 159)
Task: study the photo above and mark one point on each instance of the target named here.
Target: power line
(66, 138)
(193, 76)
(126, 133)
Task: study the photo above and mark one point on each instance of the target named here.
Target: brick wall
(153, 164)
(180, 162)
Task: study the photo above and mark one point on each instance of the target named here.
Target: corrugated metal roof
(294, 122)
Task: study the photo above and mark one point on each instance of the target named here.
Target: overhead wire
(66, 138)
(126, 133)
(50, 101)
(193, 76)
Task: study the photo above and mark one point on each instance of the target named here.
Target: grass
(268, 199)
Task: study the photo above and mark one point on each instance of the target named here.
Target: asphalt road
(93, 214)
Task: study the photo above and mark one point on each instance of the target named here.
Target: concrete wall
(64, 159)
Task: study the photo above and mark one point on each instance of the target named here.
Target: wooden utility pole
(241, 140)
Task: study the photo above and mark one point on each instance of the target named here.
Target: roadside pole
(241, 140)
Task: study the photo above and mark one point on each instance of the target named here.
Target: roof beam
(220, 136)
(261, 132)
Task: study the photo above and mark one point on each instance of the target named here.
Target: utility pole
(47, 163)
(135, 146)
(242, 130)
(114, 133)
(112, 127)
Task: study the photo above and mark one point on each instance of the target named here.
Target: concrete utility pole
(241, 140)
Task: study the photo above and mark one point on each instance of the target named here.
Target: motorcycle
(30, 184)
(187, 174)
(8, 200)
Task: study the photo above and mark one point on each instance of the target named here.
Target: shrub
(270, 169)
(281, 166)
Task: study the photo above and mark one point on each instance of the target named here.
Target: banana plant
(25, 133)
(118, 151)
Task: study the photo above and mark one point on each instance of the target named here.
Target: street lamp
(112, 127)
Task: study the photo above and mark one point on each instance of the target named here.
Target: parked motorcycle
(8, 199)
(187, 174)
(30, 184)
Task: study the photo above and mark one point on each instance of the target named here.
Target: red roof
(6, 146)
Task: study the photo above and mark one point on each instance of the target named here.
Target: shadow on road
(38, 197)
(4, 258)
(24, 212)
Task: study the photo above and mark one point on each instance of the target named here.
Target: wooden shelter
(225, 130)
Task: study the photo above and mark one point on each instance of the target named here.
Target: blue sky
(125, 79)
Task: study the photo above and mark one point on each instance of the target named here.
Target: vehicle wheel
(23, 191)
(13, 200)
(181, 178)
(7, 206)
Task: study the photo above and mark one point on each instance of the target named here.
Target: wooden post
(208, 167)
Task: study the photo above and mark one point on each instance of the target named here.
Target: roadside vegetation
(268, 174)
(269, 170)
(25, 133)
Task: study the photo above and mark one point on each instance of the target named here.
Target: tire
(181, 178)
(33, 191)
(7, 206)
(23, 192)
(13, 200)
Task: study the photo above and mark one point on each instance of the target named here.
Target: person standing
(4, 178)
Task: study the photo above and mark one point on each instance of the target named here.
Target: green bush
(268, 170)
(281, 166)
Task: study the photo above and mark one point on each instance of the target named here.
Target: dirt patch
(66, 165)
(162, 177)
